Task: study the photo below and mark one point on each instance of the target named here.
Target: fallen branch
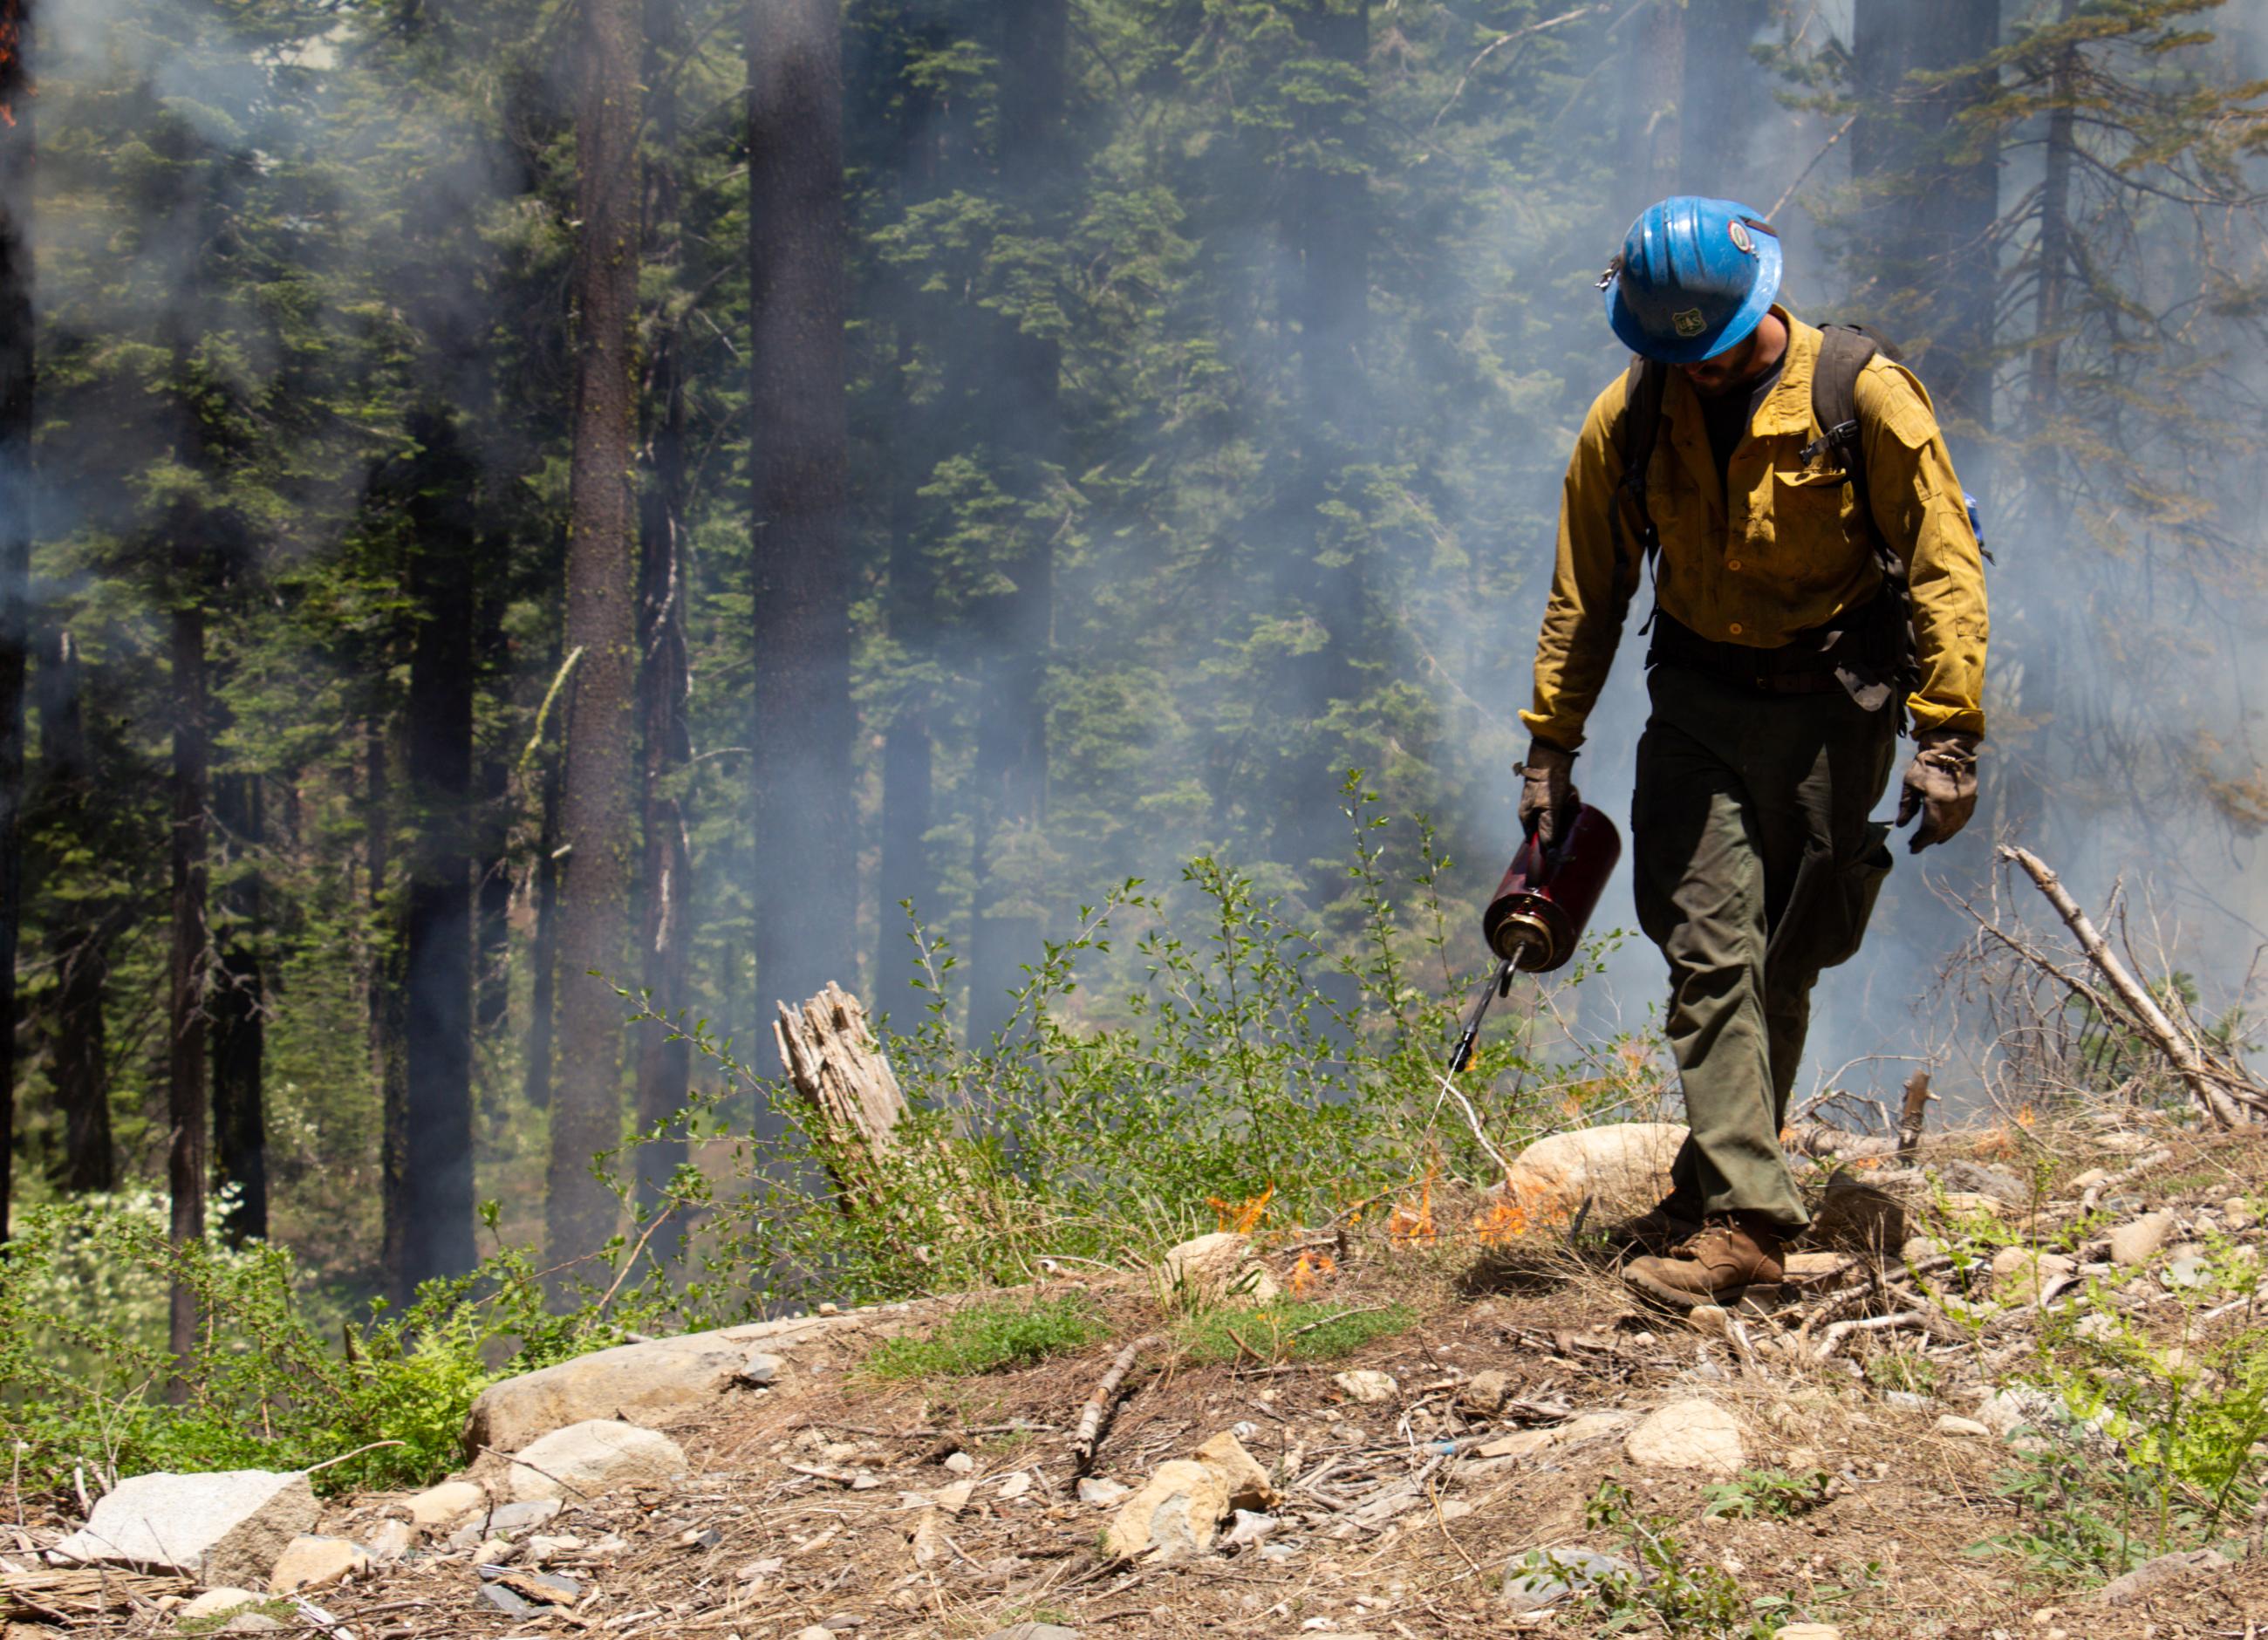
(2111, 1182)
(1098, 1403)
(1830, 1340)
(2220, 1090)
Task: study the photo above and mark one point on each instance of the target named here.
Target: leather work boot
(1658, 1230)
(1727, 1256)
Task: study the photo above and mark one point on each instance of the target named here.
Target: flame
(2026, 1116)
(1409, 1224)
(1505, 1221)
(11, 65)
(1307, 1275)
(1241, 1216)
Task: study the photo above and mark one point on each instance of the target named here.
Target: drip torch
(1537, 920)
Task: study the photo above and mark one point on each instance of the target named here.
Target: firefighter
(1817, 580)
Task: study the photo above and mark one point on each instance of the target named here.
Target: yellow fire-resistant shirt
(1792, 552)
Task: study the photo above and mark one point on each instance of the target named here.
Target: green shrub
(990, 1337)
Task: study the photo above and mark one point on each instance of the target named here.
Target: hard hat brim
(1729, 333)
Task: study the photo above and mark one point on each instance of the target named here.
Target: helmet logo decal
(1742, 242)
(1689, 322)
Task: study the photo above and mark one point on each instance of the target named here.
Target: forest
(526, 521)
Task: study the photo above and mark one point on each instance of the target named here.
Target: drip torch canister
(1535, 921)
(1540, 908)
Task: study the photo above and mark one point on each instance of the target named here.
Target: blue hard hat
(1694, 277)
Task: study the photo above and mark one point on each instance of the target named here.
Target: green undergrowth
(1291, 1330)
(1275, 1060)
(991, 1337)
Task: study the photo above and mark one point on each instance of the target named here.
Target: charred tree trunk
(18, 374)
(78, 944)
(598, 814)
(805, 844)
(239, 1010)
(1930, 192)
(665, 1068)
(1011, 773)
(187, 1109)
(436, 1198)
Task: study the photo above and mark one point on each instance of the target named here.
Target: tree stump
(833, 1059)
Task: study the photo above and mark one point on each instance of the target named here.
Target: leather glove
(1547, 791)
(1940, 786)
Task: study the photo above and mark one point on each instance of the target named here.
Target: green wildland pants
(1757, 867)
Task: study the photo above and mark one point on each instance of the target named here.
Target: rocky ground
(1529, 1452)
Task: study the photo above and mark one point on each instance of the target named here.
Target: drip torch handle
(1499, 984)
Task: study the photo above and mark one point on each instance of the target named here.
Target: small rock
(1016, 1485)
(1212, 1267)
(1368, 1385)
(504, 1517)
(1810, 1631)
(586, 1459)
(315, 1562)
(760, 1370)
(1691, 1434)
(1908, 1400)
(1245, 1481)
(2236, 1213)
(2135, 1241)
(1543, 1577)
(770, 1566)
(1102, 1490)
(511, 1605)
(1034, 1631)
(1712, 1319)
(1520, 1444)
(1949, 1424)
(250, 1623)
(1247, 1527)
(223, 1529)
(540, 1549)
(1591, 1425)
(213, 1602)
(960, 1463)
(2022, 1275)
(2186, 1270)
(2155, 1573)
(391, 1540)
(1176, 1512)
(1487, 1392)
(438, 1505)
(814, 1631)
(495, 1552)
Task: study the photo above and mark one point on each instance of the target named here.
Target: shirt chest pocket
(1802, 527)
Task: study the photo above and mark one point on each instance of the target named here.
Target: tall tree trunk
(664, 1068)
(492, 943)
(1930, 192)
(185, 1014)
(1328, 223)
(436, 1199)
(1729, 95)
(18, 374)
(388, 1012)
(1010, 772)
(239, 1012)
(805, 842)
(543, 951)
(598, 814)
(1654, 90)
(78, 944)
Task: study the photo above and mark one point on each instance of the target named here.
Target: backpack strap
(1845, 352)
(1643, 386)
